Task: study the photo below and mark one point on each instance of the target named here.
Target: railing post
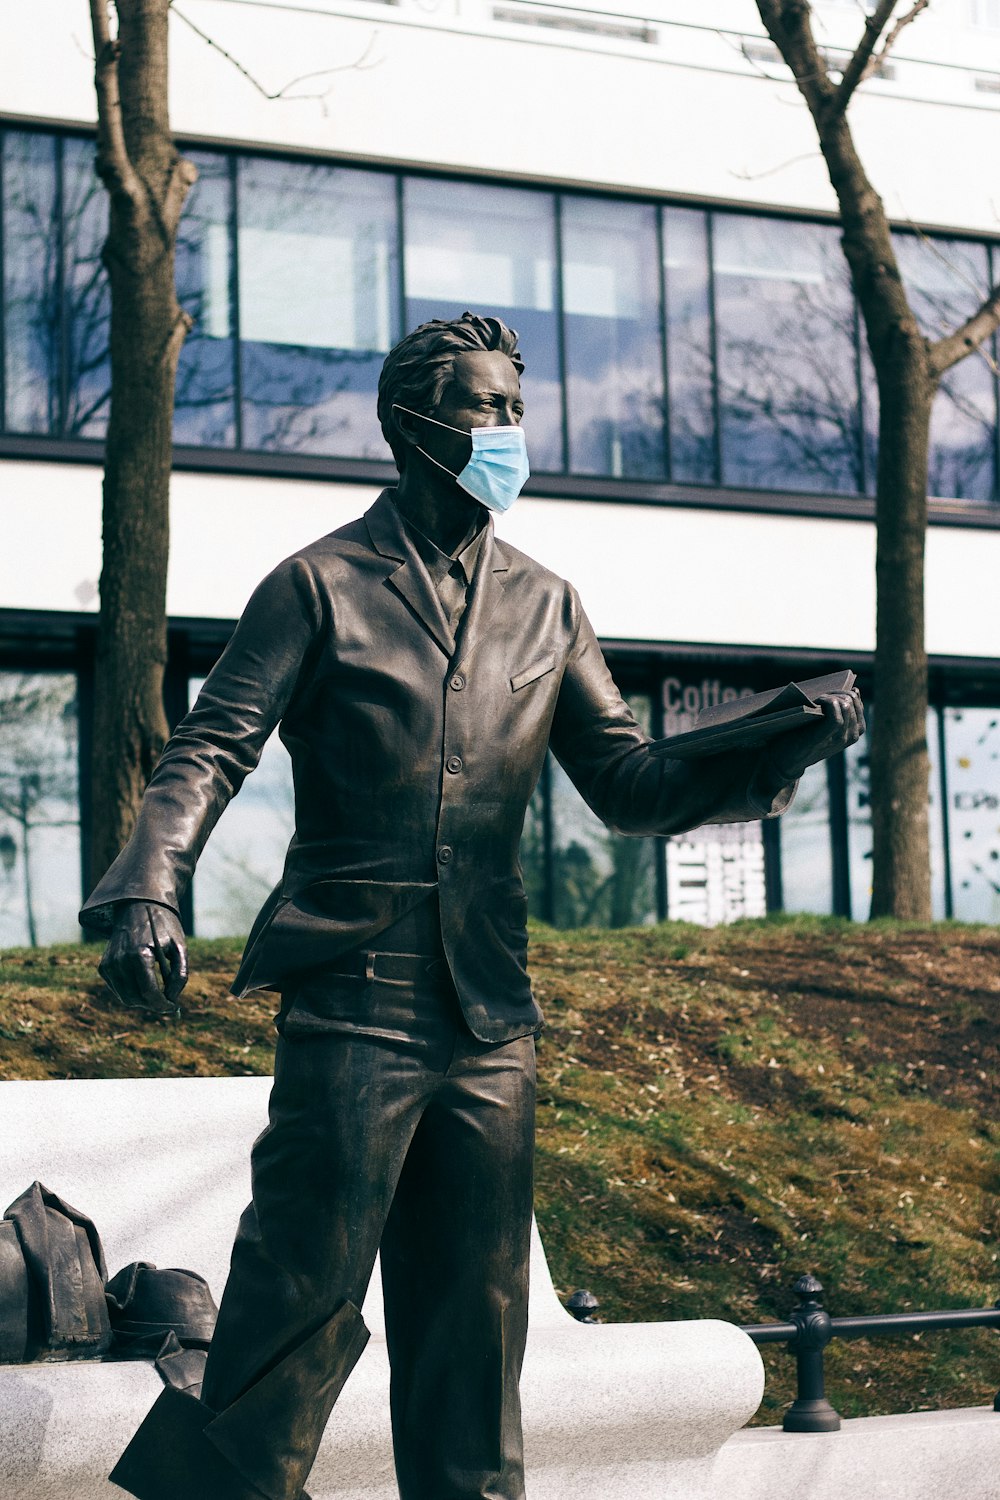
(810, 1411)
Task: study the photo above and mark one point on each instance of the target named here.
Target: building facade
(641, 196)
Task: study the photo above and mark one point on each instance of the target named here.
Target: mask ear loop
(422, 417)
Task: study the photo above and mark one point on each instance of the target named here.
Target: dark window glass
(203, 406)
(88, 298)
(600, 878)
(946, 280)
(788, 387)
(611, 303)
(30, 282)
(39, 814)
(492, 251)
(318, 305)
(689, 347)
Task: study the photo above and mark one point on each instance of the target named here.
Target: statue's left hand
(145, 962)
(842, 724)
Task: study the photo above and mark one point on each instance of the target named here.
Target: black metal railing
(807, 1333)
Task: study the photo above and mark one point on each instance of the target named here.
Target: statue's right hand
(145, 962)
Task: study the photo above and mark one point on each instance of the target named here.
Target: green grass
(719, 1111)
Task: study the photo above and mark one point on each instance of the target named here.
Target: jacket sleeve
(606, 755)
(215, 747)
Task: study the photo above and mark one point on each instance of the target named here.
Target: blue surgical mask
(498, 469)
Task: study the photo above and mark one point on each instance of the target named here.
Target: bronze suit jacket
(413, 759)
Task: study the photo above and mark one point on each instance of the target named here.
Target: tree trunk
(147, 183)
(900, 767)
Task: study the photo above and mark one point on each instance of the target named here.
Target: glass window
(39, 809)
(689, 346)
(716, 874)
(88, 297)
(787, 356)
(245, 855)
(203, 406)
(859, 821)
(972, 747)
(806, 856)
(318, 305)
(946, 280)
(614, 368)
(492, 251)
(30, 282)
(601, 879)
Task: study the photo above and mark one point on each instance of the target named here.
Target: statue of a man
(418, 669)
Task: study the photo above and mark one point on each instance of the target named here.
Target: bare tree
(147, 182)
(908, 370)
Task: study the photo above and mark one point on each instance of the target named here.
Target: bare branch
(114, 165)
(901, 25)
(285, 91)
(944, 353)
(861, 62)
(789, 25)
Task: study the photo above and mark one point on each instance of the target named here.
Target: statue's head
(419, 370)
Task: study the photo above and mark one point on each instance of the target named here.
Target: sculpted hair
(417, 371)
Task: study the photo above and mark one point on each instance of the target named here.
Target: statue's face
(484, 391)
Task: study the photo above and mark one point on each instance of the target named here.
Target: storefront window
(491, 250)
(787, 356)
(806, 855)
(245, 855)
(31, 309)
(614, 376)
(39, 817)
(203, 407)
(689, 346)
(600, 879)
(946, 280)
(972, 750)
(319, 309)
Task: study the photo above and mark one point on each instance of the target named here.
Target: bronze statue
(418, 669)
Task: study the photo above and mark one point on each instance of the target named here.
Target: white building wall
(452, 86)
(645, 573)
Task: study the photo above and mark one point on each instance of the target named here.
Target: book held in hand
(746, 723)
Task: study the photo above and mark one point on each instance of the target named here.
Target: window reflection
(85, 226)
(203, 405)
(946, 280)
(492, 250)
(788, 403)
(600, 879)
(30, 282)
(245, 856)
(614, 370)
(39, 817)
(318, 305)
(689, 345)
(972, 746)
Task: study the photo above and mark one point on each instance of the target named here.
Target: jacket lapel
(409, 578)
(485, 594)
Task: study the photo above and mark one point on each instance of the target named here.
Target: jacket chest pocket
(540, 668)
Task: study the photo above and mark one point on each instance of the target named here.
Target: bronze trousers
(391, 1127)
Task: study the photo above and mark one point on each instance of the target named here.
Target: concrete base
(926, 1455)
(617, 1412)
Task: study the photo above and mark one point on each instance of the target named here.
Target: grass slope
(719, 1111)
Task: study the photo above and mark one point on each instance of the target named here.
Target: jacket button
(444, 855)
(457, 683)
(453, 764)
